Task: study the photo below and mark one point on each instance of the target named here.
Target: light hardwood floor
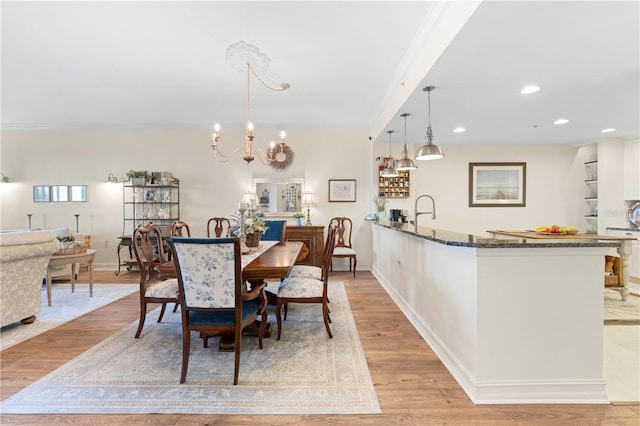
(412, 385)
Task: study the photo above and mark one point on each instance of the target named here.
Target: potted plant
(381, 205)
(138, 177)
(65, 240)
(298, 216)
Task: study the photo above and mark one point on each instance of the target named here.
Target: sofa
(24, 256)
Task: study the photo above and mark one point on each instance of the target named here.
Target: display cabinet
(144, 204)
(394, 187)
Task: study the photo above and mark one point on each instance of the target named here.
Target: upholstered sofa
(24, 256)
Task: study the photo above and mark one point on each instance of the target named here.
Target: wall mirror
(279, 196)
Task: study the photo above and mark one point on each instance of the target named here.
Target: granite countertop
(452, 238)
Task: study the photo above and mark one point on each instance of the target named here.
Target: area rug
(66, 307)
(619, 312)
(305, 372)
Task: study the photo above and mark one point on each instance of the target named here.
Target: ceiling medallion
(242, 57)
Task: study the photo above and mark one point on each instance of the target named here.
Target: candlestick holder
(242, 235)
(29, 216)
(77, 227)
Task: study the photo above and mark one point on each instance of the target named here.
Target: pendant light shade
(429, 151)
(389, 171)
(405, 163)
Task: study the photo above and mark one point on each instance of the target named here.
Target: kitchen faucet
(416, 213)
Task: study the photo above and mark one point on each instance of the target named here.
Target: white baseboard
(548, 392)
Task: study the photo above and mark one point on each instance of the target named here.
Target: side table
(86, 257)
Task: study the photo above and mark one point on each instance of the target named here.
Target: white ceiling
(162, 65)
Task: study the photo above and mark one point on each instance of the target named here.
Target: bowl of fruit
(556, 230)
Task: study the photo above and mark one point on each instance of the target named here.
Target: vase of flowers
(381, 205)
(254, 226)
(298, 217)
(65, 241)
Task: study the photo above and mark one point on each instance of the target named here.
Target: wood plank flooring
(413, 386)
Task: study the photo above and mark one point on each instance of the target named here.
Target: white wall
(555, 180)
(554, 188)
(207, 187)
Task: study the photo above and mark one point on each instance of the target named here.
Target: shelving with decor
(591, 196)
(147, 203)
(394, 187)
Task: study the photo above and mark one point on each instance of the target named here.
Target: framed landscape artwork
(342, 190)
(497, 184)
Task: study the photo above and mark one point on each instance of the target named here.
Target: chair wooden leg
(263, 327)
(325, 315)
(236, 368)
(286, 310)
(175, 307)
(164, 306)
(186, 347)
(355, 263)
(278, 318)
(143, 315)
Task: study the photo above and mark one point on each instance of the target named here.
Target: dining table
(271, 260)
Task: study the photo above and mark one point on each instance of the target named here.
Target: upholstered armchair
(24, 259)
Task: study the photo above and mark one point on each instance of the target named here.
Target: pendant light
(429, 151)
(389, 171)
(405, 163)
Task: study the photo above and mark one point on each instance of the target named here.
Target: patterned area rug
(303, 373)
(619, 312)
(66, 307)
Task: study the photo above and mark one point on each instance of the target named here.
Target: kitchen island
(514, 320)
(624, 250)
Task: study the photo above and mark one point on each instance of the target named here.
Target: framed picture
(497, 184)
(342, 190)
(42, 194)
(150, 195)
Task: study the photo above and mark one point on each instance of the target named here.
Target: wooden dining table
(274, 263)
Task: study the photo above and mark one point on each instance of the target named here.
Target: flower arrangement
(381, 203)
(253, 223)
(66, 238)
(298, 215)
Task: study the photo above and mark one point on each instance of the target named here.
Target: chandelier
(244, 56)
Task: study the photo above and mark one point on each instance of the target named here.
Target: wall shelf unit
(144, 204)
(394, 187)
(591, 196)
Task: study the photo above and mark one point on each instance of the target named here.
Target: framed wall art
(497, 184)
(342, 190)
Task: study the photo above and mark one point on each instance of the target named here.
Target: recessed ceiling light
(609, 130)
(459, 130)
(561, 121)
(530, 89)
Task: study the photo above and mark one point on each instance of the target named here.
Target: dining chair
(180, 229)
(154, 287)
(312, 271)
(344, 248)
(308, 290)
(221, 228)
(212, 296)
(276, 230)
